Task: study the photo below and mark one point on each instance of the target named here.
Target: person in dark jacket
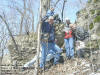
(49, 13)
(48, 42)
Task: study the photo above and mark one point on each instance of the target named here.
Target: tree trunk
(63, 9)
(56, 3)
(33, 22)
(22, 17)
(38, 39)
(45, 5)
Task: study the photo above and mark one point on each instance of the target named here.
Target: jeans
(30, 63)
(49, 48)
(69, 46)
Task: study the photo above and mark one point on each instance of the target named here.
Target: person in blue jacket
(49, 13)
(48, 42)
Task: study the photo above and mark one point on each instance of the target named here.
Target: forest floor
(76, 66)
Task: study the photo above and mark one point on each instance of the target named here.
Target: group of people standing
(49, 48)
(48, 43)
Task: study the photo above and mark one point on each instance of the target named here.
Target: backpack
(44, 37)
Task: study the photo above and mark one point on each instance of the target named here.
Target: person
(49, 49)
(49, 13)
(69, 39)
(48, 42)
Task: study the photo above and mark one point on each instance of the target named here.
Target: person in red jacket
(69, 39)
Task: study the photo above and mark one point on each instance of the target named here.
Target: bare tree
(56, 3)
(45, 5)
(22, 17)
(38, 39)
(24, 13)
(1, 57)
(10, 33)
(3, 41)
(63, 9)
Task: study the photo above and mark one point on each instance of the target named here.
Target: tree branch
(56, 3)
(63, 9)
(10, 34)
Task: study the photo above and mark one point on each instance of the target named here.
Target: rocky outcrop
(90, 15)
(89, 18)
(26, 46)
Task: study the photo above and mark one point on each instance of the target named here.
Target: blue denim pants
(69, 46)
(49, 48)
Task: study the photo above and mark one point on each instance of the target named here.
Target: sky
(71, 8)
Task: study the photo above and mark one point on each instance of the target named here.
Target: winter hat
(51, 17)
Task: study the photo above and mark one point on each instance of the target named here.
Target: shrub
(89, 1)
(86, 16)
(92, 11)
(96, 1)
(91, 26)
(97, 19)
(98, 12)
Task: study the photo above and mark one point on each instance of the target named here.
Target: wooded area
(23, 23)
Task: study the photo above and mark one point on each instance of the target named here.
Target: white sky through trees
(71, 7)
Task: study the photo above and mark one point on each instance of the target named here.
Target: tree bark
(45, 5)
(63, 9)
(22, 17)
(56, 3)
(38, 39)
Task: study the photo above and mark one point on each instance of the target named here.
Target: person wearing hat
(69, 39)
(48, 42)
(49, 48)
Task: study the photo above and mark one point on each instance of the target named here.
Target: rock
(26, 46)
(88, 16)
(94, 37)
(6, 59)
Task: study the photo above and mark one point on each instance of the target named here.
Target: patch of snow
(80, 45)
